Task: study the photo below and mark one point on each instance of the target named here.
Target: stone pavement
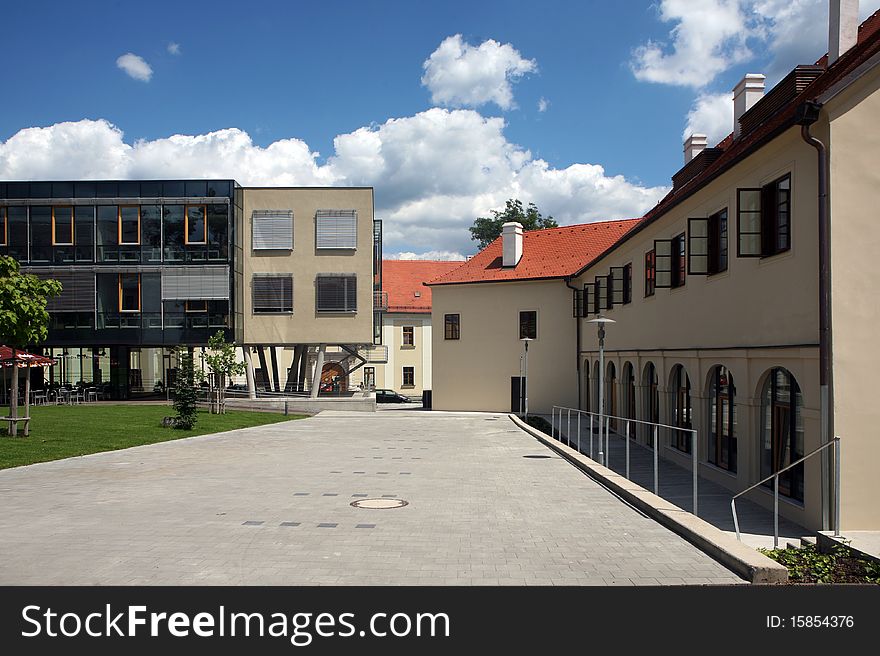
(271, 505)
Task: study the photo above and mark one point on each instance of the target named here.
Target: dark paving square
(328, 525)
(365, 526)
(289, 523)
(251, 522)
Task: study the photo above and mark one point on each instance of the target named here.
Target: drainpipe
(577, 332)
(806, 115)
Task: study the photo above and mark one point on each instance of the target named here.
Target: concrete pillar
(293, 378)
(319, 366)
(249, 372)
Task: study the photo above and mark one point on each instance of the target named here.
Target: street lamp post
(524, 382)
(600, 321)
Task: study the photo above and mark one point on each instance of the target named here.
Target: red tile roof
(402, 280)
(551, 253)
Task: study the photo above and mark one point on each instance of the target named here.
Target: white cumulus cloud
(461, 75)
(712, 115)
(443, 256)
(135, 66)
(433, 172)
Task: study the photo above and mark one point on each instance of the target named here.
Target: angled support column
(319, 367)
(249, 372)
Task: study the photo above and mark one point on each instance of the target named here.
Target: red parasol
(23, 358)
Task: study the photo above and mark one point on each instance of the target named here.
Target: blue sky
(447, 109)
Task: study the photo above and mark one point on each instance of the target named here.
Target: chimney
(843, 27)
(512, 243)
(694, 145)
(745, 94)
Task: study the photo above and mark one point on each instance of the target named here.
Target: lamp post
(524, 386)
(600, 321)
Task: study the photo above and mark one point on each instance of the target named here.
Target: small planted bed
(809, 565)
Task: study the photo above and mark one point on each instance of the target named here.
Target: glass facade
(115, 327)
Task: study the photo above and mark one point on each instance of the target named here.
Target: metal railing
(775, 478)
(604, 457)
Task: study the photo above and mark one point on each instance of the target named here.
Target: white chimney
(512, 243)
(746, 93)
(694, 145)
(843, 27)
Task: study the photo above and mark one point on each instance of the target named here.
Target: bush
(809, 565)
(185, 392)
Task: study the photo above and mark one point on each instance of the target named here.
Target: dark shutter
(748, 222)
(577, 303)
(662, 263)
(77, 292)
(336, 293)
(272, 293)
(698, 247)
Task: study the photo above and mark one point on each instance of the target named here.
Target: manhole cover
(379, 504)
(538, 457)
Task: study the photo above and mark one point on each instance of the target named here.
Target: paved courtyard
(271, 506)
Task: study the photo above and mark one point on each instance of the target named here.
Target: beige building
(402, 362)
(305, 285)
(716, 298)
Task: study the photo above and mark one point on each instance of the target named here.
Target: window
(272, 294)
(621, 285)
(678, 261)
(603, 299)
(62, 226)
(528, 324)
(589, 298)
(272, 230)
(650, 383)
(196, 306)
(409, 336)
(452, 326)
(707, 244)
(682, 410)
(650, 273)
(336, 293)
(409, 377)
(129, 225)
(195, 225)
(370, 377)
(129, 292)
(4, 228)
(336, 229)
(722, 415)
(578, 309)
(782, 432)
(764, 219)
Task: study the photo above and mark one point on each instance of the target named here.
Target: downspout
(807, 114)
(577, 332)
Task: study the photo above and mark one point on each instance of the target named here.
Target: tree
(185, 392)
(486, 230)
(222, 363)
(23, 317)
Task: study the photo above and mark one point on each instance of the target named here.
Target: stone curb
(748, 563)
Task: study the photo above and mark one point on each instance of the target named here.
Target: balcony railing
(380, 300)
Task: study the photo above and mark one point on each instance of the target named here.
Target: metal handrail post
(776, 511)
(607, 444)
(579, 432)
(837, 486)
(735, 520)
(568, 430)
(656, 463)
(591, 435)
(694, 450)
(553, 422)
(627, 450)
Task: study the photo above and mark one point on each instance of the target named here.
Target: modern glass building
(145, 266)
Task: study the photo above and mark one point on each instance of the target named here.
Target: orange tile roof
(402, 280)
(551, 253)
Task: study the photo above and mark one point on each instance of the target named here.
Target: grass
(809, 565)
(64, 431)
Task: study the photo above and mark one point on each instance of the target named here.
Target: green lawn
(64, 431)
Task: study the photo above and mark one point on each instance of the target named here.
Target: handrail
(605, 461)
(775, 477)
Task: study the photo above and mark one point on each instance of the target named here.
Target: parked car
(390, 396)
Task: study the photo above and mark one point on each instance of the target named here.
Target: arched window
(595, 391)
(722, 418)
(628, 380)
(611, 393)
(782, 431)
(682, 410)
(586, 390)
(650, 383)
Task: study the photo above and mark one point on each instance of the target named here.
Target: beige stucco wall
(855, 270)
(474, 372)
(304, 325)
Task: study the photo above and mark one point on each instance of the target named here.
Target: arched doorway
(722, 419)
(333, 378)
(586, 390)
(628, 387)
(611, 393)
(682, 409)
(650, 384)
(782, 431)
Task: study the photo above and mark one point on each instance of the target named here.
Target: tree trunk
(13, 399)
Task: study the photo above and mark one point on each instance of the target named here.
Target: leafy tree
(23, 316)
(486, 230)
(221, 362)
(185, 392)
